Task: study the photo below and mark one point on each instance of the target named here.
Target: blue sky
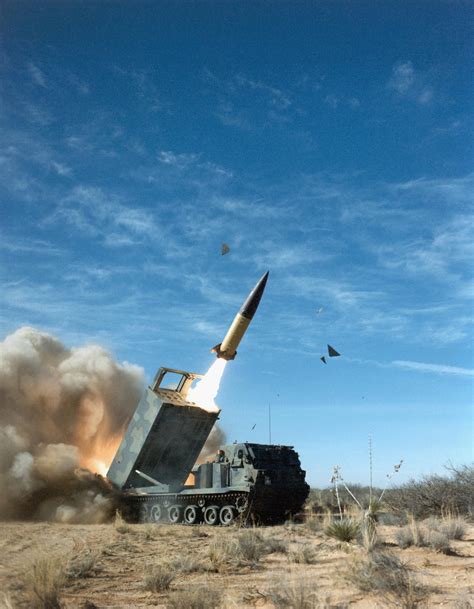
(327, 142)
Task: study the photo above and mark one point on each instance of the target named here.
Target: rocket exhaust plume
(206, 390)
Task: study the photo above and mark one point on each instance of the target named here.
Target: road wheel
(143, 513)
(191, 514)
(227, 515)
(241, 504)
(155, 513)
(174, 514)
(211, 515)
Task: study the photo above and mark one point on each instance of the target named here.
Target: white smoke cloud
(61, 411)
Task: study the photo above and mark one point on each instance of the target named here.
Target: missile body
(227, 349)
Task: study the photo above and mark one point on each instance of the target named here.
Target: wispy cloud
(238, 93)
(433, 368)
(37, 76)
(410, 84)
(103, 214)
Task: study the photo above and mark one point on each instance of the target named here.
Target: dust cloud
(63, 413)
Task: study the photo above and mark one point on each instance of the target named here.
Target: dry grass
(83, 564)
(452, 527)
(274, 545)
(300, 594)
(120, 525)
(433, 534)
(388, 576)
(6, 601)
(247, 546)
(303, 555)
(197, 598)
(44, 582)
(439, 541)
(314, 524)
(159, 577)
(294, 595)
(346, 529)
(188, 564)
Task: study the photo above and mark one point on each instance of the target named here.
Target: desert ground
(293, 565)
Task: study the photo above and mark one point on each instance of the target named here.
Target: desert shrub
(187, 564)
(273, 546)
(344, 530)
(391, 519)
(404, 537)
(314, 524)
(120, 525)
(463, 601)
(251, 545)
(411, 535)
(45, 580)
(438, 541)
(222, 550)
(453, 528)
(389, 577)
(197, 598)
(247, 546)
(159, 577)
(294, 595)
(149, 532)
(82, 564)
(436, 495)
(304, 554)
(299, 595)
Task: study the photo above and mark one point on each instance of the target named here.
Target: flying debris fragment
(332, 352)
(227, 349)
(254, 425)
(225, 249)
(323, 359)
(319, 311)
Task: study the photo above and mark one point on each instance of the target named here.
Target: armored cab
(155, 469)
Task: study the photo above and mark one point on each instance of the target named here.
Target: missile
(227, 349)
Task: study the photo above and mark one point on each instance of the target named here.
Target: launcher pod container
(154, 467)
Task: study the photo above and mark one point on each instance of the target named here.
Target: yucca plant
(345, 529)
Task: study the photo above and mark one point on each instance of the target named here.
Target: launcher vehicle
(154, 467)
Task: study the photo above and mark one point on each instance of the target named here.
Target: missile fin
(332, 352)
(323, 359)
(216, 349)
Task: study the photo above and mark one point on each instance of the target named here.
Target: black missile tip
(250, 305)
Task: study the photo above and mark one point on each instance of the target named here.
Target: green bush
(344, 530)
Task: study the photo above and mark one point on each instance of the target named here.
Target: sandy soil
(121, 560)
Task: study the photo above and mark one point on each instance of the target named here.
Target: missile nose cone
(253, 299)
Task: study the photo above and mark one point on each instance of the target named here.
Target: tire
(155, 513)
(211, 515)
(174, 514)
(191, 514)
(227, 515)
